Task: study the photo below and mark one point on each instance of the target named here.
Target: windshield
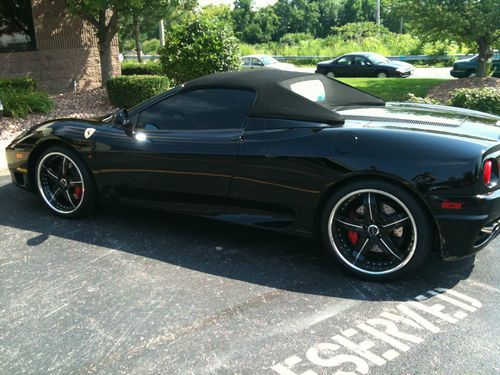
(268, 60)
(375, 58)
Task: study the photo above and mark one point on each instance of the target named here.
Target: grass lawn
(393, 89)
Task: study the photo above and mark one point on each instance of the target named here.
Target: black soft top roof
(275, 99)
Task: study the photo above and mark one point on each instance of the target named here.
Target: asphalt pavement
(131, 291)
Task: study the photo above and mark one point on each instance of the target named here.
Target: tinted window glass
(199, 110)
(16, 26)
(344, 60)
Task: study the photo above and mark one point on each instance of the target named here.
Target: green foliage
(130, 68)
(21, 102)
(394, 89)
(485, 99)
(151, 46)
(470, 22)
(359, 30)
(18, 83)
(411, 98)
(128, 91)
(295, 38)
(198, 47)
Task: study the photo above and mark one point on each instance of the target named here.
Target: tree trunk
(106, 60)
(484, 55)
(137, 36)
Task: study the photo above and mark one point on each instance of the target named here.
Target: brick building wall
(66, 51)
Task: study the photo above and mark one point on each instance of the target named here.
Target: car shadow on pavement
(217, 248)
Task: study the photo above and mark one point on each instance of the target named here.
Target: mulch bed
(442, 92)
(91, 103)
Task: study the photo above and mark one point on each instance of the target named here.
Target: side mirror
(121, 118)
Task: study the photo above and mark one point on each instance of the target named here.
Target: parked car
(263, 62)
(364, 64)
(467, 67)
(380, 183)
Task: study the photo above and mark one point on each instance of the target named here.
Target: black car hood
(459, 122)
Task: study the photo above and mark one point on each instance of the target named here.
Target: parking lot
(130, 291)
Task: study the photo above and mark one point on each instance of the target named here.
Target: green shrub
(19, 83)
(19, 103)
(485, 99)
(128, 91)
(150, 46)
(136, 68)
(197, 47)
(411, 98)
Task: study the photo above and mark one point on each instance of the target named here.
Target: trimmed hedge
(19, 83)
(128, 91)
(485, 99)
(135, 68)
(19, 103)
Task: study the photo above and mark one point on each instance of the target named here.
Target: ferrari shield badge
(88, 132)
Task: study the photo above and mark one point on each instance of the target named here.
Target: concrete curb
(4, 171)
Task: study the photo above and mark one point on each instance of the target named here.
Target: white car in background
(263, 62)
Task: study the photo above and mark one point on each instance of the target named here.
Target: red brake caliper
(77, 193)
(353, 237)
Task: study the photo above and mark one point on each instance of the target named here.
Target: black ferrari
(380, 183)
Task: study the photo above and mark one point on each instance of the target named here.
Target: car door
(256, 63)
(182, 153)
(342, 67)
(246, 63)
(362, 67)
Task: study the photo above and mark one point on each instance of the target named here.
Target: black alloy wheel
(64, 182)
(376, 230)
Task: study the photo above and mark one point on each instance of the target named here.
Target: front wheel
(376, 230)
(64, 183)
(382, 74)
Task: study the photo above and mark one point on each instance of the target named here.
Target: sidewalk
(3, 161)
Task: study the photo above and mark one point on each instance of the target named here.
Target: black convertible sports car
(381, 183)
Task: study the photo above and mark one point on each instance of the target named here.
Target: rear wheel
(375, 230)
(65, 183)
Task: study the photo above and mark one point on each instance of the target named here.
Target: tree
(103, 15)
(153, 11)
(199, 46)
(465, 21)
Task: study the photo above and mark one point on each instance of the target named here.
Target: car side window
(358, 60)
(246, 61)
(256, 62)
(344, 60)
(203, 109)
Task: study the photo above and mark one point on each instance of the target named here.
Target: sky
(258, 3)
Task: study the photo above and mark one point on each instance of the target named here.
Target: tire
(330, 75)
(471, 73)
(382, 74)
(375, 230)
(65, 183)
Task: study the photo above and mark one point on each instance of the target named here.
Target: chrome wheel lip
(344, 260)
(40, 188)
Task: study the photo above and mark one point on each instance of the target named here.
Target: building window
(16, 26)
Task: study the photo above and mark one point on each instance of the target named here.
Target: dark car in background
(364, 64)
(467, 67)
